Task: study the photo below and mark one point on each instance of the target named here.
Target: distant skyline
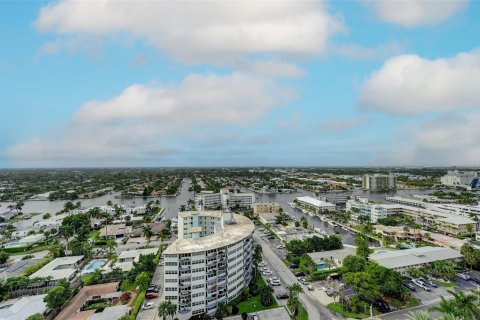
(239, 83)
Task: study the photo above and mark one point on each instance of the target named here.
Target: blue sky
(239, 83)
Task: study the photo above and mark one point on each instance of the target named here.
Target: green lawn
(33, 250)
(446, 284)
(253, 305)
(337, 307)
(302, 313)
(94, 234)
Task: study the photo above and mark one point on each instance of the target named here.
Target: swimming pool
(321, 266)
(93, 265)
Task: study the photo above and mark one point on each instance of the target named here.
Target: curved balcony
(184, 310)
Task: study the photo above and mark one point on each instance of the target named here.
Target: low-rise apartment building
(402, 260)
(444, 222)
(400, 233)
(266, 207)
(57, 269)
(314, 205)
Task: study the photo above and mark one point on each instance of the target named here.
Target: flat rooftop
(340, 254)
(411, 257)
(232, 233)
(136, 253)
(57, 269)
(315, 202)
(189, 214)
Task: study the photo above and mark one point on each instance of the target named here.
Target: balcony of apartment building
(212, 262)
(183, 310)
(185, 293)
(211, 281)
(212, 254)
(222, 281)
(185, 284)
(211, 275)
(185, 275)
(222, 273)
(185, 266)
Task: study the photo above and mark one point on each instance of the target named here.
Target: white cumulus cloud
(412, 13)
(146, 120)
(409, 84)
(200, 31)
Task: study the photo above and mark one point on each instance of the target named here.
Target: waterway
(172, 204)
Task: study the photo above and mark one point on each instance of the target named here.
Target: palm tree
(329, 263)
(147, 232)
(446, 306)
(294, 290)
(166, 308)
(111, 245)
(19, 205)
(466, 304)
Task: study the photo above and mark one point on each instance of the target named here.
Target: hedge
(138, 304)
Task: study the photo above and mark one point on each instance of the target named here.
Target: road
(403, 314)
(152, 313)
(314, 308)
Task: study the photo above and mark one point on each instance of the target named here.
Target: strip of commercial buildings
(444, 222)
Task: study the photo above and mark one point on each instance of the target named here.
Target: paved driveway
(314, 308)
(152, 313)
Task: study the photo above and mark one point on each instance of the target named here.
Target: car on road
(463, 276)
(148, 306)
(282, 295)
(267, 273)
(310, 287)
(303, 281)
(280, 246)
(262, 264)
(410, 286)
(255, 317)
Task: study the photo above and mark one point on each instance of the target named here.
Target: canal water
(172, 204)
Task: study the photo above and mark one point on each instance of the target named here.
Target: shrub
(138, 305)
(125, 297)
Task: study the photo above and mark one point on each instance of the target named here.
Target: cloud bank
(409, 84)
(143, 121)
(413, 13)
(200, 31)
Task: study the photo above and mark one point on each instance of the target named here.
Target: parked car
(410, 286)
(303, 281)
(299, 274)
(463, 276)
(262, 264)
(310, 287)
(148, 305)
(282, 295)
(280, 246)
(151, 295)
(293, 266)
(152, 289)
(267, 273)
(431, 283)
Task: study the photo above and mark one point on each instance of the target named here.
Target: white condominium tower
(378, 182)
(209, 263)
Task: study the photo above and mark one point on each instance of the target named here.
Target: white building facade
(455, 178)
(378, 182)
(210, 262)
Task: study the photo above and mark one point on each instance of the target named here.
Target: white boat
(332, 223)
(320, 231)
